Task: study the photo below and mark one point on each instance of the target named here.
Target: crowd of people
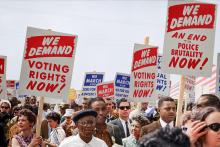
(102, 122)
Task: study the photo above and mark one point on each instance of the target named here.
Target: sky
(107, 31)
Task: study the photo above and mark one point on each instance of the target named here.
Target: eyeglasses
(184, 129)
(123, 107)
(214, 127)
(86, 123)
(3, 107)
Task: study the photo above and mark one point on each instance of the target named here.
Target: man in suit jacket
(123, 121)
(167, 111)
(107, 132)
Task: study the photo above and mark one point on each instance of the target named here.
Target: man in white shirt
(123, 121)
(85, 122)
(167, 111)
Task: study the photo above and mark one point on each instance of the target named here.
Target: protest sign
(143, 73)
(47, 63)
(105, 89)
(189, 38)
(11, 88)
(163, 79)
(122, 85)
(90, 81)
(217, 90)
(190, 82)
(3, 91)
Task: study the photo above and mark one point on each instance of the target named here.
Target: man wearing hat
(68, 125)
(85, 122)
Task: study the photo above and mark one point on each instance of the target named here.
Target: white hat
(68, 113)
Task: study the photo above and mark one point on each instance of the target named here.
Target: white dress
(76, 141)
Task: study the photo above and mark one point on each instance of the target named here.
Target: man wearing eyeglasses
(85, 121)
(167, 111)
(123, 121)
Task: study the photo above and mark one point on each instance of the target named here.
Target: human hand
(196, 130)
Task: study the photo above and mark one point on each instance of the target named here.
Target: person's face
(109, 105)
(144, 105)
(86, 126)
(100, 108)
(27, 100)
(212, 138)
(68, 119)
(136, 129)
(16, 112)
(168, 111)
(201, 102)
(124, 110)
(5, 107)
(23, 123)
(52, 123)
(33, 100)
(85, 105)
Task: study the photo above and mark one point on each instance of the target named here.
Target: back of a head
(165, 137)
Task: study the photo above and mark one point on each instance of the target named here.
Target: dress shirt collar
(163, 123)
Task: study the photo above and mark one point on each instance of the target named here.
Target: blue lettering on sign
(159, 62)
(122, 81)
(93, 79)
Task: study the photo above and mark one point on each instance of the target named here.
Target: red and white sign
(105, 89)
(3, 91)
(47, 63)
(189, 38)
(143, 73)
(10, 84)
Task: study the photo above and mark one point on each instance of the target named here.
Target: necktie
(127, 130)
(167, 126)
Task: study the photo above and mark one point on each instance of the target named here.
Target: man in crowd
(123, 121)
(85, 102)
(109, 108)
(85, 121)
(107, 132)
(167, 111)
(208, 100)
(140, 110)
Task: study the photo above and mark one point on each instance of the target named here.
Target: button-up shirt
(164, 124)
(76, 141)
(124, 126)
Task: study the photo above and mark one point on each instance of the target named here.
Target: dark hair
(54, 116)
(141, 120)
(163, 99)
(120, 101)
(165, 137)
(212, 101)
(202, 114)
(92, 100)
(186, 116)
(31, 117)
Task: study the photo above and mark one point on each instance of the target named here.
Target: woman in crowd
(57, 134)
(137, 123)
(205, 128)
(26, 137)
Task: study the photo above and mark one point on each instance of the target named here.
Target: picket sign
(3, 90)
(39, 116)
(217, 90)
(180, 101)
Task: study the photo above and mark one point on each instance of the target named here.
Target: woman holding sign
(26, 138)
